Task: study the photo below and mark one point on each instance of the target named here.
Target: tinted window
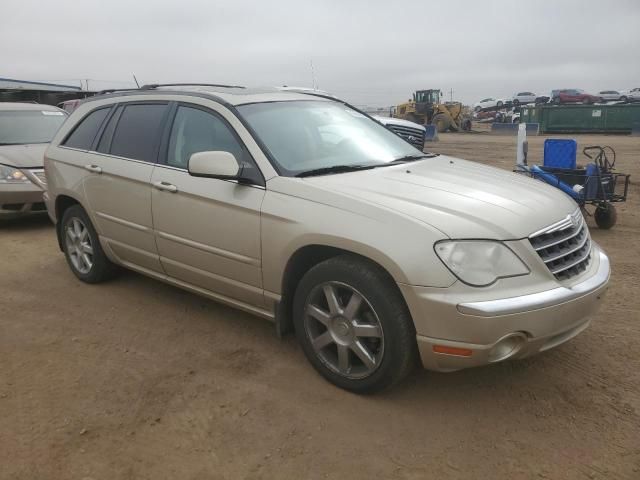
(195, 130)
(105, 141)
(138, 132)
(85, 132)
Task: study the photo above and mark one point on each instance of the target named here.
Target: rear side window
(138, 132)
(85, 132)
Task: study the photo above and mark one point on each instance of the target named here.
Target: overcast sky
(368, 52)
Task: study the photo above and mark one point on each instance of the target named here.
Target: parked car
(610, 95)
(488, 103)
(410, 131)
(523, 97)
(542, 99)
(304, 211)
(25, 131)
(573, 95)
(70, 105)
(632, 95)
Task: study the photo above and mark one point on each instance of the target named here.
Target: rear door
(118, 190)
(208, 230)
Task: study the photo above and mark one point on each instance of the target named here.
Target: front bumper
(461, 334)
(20, 199)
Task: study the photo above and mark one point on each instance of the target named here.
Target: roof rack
(112, 90)
(153, 86)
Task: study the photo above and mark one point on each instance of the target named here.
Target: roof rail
(153, 86)
(112, 90)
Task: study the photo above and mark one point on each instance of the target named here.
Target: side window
(107, 134)
(195, 130)
(138, 132)
(85, 132)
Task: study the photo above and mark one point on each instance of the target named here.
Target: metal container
(617, 118)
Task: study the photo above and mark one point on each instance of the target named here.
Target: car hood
(460, 198)
(23, 156)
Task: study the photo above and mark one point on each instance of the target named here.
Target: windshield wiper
(334, 169)
(413, 158)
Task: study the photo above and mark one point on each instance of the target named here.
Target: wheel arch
(305, 258)
(63, 203)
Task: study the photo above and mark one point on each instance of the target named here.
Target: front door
(207, 230)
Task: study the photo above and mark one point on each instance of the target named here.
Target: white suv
(303, 210)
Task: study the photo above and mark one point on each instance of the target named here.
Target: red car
(573, 95)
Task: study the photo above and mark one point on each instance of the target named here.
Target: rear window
(138, 132)
(21, 127)
(85, 132)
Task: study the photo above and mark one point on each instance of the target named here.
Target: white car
(410, 131)
(488, 103)
(524, 98)
(611, 95)
(632, 95)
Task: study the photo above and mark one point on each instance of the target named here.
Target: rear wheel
(623, 98)
(606, 216)
(353, 325)
(441, 122)
(82, 247)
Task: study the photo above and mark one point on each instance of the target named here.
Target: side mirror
(214, 164)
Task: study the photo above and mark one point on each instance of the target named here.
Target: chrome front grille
(40, 176)
(565, 246)
(414, 136)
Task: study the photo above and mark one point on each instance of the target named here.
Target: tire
(466, 125)
(516, 102)
(388, 338)
(499, 104)
(606, 216)
(623, 99)
(82, 247)
(441, 122)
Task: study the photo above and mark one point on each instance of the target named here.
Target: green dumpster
(618, 118)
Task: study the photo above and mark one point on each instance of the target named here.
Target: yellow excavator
(426, 109)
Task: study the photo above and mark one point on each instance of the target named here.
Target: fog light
(507, 347)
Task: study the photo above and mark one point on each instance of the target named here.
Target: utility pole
(451, 95)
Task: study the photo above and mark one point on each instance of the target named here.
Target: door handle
(167, 187)
(93, 168)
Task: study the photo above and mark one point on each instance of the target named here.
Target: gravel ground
(135, 379)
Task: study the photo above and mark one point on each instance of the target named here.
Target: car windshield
(307, 135)
(19, 127)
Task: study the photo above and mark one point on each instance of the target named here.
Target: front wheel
(441, 122)
(499, 104)
(623, 99)
(606, 216)
(353, 325)
(516, 102)
(82, 247)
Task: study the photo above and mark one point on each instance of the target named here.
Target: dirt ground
(138, 380)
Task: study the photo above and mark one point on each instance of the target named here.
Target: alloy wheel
(78, 243)
(344, 330)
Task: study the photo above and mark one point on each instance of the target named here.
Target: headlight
(12, 175)
(480, 262)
